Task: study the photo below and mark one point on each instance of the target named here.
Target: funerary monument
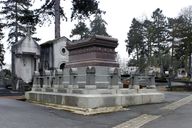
(91, 79)
(26, 56)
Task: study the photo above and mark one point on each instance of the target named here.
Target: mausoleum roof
(27, 45)
(54, 41)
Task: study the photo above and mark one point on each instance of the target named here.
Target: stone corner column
(114, 78)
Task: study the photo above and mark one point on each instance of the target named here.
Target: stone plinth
(85, 98)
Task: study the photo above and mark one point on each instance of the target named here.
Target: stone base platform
(120, 97)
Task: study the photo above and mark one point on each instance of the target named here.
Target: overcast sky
(119, 14)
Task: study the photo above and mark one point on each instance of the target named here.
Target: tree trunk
(161, 61)
(189, 71)
(12, 53)
(16, 23)
(57, 18)
(138, 61)
(137, 53)
(16, 39)
(150, 49)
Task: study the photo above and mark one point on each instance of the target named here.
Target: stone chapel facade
(54, 54)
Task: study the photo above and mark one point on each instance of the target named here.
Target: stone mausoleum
(26, 58)
(29, 57)
(91, 79)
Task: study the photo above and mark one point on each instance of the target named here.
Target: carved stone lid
(96, 40)
(94, 51)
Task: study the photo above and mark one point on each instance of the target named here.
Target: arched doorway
(62, 66)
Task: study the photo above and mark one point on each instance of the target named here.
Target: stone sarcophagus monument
(91, 79)
(92, 64)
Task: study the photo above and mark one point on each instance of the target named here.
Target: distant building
(132, 70)
(181, 73)
(54, 55)
(26, 54)
(150, 70)
(153, 70)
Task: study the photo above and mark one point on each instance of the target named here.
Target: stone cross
(29, 27)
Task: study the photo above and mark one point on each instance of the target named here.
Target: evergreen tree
(16, 17)
(148, 33)
(166, 43)
(80, 9)
(98, 26)
(180, 35)
(184, 49)
(160, 34)
(135, 43)
(81, 30)
(148, 39)
(174, 30)
(187, 39)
